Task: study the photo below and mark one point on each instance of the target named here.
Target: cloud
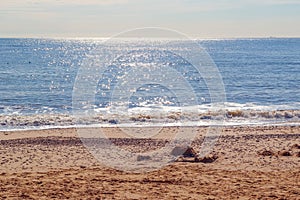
(27, 2)
(209, 5)
(136, 7)
(9, 4)
(278, 1)
(168, 5)
(82, 2)
(53, 6)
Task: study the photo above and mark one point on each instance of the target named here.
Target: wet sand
(251, 163)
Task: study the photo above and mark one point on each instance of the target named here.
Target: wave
(206, 114)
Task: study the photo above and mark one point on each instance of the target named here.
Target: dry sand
(252, 163)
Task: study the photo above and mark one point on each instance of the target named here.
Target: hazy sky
(196, 18)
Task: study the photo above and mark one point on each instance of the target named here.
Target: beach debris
(206, 117)
(184, 151)
(188, 154)
(140, 118)
(206, 159)
(141, 158)
(288, 115)
(266, 153)
(284, 153)
(234, 113)
(113, 121)
(296, 146)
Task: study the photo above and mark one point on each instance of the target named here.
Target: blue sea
(261, 79)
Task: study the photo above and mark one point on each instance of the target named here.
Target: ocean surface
(261, 79)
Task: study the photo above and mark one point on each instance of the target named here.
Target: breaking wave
(201, 115)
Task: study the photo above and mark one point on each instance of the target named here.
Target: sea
(260, 82)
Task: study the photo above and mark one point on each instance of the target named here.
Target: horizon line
(170, 38)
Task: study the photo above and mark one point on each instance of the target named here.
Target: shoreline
(171, 125)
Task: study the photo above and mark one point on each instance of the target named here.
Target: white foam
(231, 114)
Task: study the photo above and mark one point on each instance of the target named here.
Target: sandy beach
(250, 163)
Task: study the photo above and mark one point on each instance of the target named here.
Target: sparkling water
(261, 79)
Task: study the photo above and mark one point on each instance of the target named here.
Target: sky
(195, 18)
